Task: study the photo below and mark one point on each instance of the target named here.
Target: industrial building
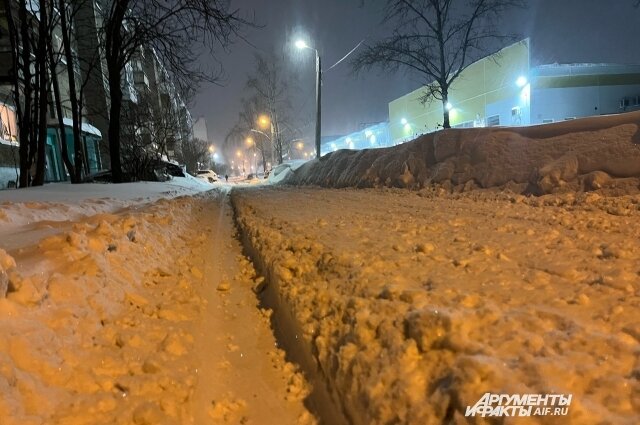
(505, 90)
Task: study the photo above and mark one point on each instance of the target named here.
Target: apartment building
(145, 84)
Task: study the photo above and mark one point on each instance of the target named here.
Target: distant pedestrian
(226, 178)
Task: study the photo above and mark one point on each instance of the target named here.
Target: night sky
(564, 31)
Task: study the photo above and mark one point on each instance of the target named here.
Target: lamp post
(301, 44)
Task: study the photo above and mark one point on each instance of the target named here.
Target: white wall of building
(558, 104)
(512, 111)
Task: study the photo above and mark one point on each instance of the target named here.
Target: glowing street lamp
(302, 45)
(212, 149)
(264, 122)
(249, 141)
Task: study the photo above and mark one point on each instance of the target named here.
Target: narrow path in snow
(243, 377)
(143, 317)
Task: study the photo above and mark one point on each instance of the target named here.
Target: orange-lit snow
(146, 316)
(401, 306)
(414, 304)
(583, 154)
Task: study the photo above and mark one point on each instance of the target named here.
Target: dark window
(493, 121)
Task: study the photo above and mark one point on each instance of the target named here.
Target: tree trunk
(445, 101)
(114, 127)
(41, 63)
(58, 105)
(113, 47)
(73, 94)
(24, 119)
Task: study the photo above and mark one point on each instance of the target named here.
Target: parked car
(207, 175)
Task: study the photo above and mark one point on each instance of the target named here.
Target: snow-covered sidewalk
(143, 316)
(27, 215)
(411, 306)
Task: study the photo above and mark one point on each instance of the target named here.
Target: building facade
(371, 137)
(146, 84)
(505, 90)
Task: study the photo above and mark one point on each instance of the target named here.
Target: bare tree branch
(437, 40)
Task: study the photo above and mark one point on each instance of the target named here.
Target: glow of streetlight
(238, 154)
(212, 149)
(263, 121)
(300, 145)
(249, 141)
(301, 44)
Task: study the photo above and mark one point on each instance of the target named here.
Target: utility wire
(345, 56)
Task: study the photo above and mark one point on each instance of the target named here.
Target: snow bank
(59, 202)
(584, 154)
(410, 306)
(283, 171)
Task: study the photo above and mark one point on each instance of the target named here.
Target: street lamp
(263, 121)
(301, 44)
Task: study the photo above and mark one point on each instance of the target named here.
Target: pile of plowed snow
(585, 154)
(411, 306)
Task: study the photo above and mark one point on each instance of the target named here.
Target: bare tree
(193, 153)
(150, 131)
(68, 10)
(62, 62)
(438, 40)
(271, 89)
(138, 150)
(175, 30)
(29, 33)
(252, 110)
